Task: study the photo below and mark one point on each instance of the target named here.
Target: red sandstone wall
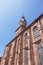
(0, 62)
(33, 41)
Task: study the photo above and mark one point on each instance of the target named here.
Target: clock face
(22, 19)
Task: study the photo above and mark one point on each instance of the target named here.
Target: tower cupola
(22, 22)
(21, 25)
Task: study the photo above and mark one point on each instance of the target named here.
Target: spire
(22, 21)
(23, 18)
(21, 25)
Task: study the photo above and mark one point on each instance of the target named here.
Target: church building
(27, 46)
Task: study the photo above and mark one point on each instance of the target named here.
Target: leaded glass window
(40, 53)
(36, 32)
(26, 38)
(6, 62)
(26, 57)
(18, 59)
(19, 46)
(18, 54)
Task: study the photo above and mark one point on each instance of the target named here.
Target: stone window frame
(27, 33)
(18, 43)
(29, 61)
(37, 43)
(26, 38)
(41, 22)
(36, 32)
(26, 56)
(32, 33)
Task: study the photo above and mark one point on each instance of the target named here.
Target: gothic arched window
(19, 46)
(40, 53)
(18, 52)
(26, 38)
(36, 32)
(26, 56)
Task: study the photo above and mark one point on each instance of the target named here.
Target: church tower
(21, 25)
(27, 46)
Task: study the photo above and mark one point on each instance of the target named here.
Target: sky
(11, 12)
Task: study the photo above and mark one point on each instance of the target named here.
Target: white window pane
(36, 32)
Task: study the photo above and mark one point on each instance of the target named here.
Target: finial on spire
(23, 17)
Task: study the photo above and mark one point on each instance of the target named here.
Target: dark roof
(23, 17)
(26, 28)
(0, 58)
(18, 28)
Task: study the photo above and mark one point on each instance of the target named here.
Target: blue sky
(11, 12)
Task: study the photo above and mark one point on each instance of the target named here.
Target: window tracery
(18, 52)
(26, 56)
(40, 53)
(36, 32)
(26, 38)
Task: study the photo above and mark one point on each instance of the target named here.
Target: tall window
(26, 38)
(19, 46)
(40, 53)
(6, 62)
(18, 54)
(18, 59)
(26, 56)
(36, 32)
